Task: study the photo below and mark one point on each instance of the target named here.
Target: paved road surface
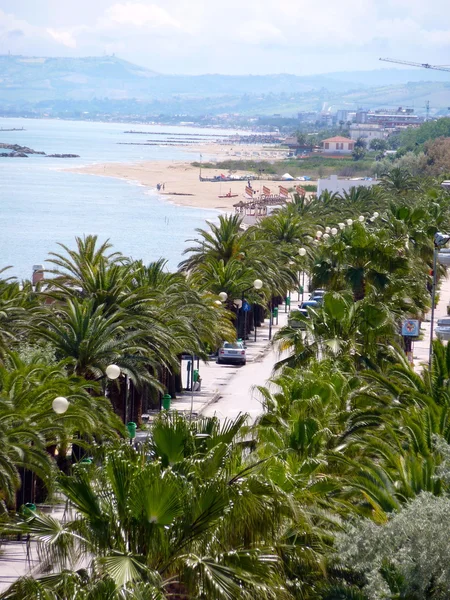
(238, 395)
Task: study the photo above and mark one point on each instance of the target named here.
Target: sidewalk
(421, 348)
(19, 558)
(216, 377)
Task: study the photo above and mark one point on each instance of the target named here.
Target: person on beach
(158, 186)
(164, 186)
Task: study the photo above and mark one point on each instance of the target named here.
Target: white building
(335, 185)
(367, 132)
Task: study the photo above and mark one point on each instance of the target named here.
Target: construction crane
(413, 64)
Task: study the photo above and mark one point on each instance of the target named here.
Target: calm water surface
(41, 205)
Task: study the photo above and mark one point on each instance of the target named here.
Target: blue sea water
(40, 205)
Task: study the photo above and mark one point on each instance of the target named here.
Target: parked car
(318, 293)
(444, 322)
(307, 303)
(232, 352)
(443, 333)
(293, 320)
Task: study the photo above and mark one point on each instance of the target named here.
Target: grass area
(314, 166)
(253, 166)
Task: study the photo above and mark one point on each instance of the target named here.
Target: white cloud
(62, 37)
(140, 15)
(234, 36)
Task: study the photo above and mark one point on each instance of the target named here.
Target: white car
(443, 333)
(232, 352)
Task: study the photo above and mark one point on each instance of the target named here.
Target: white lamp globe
(112, 371)
(361, 219)
(334, 231)
(60, 405)
(302, 251)
(319, 234)
(326, 236)
(341, 225)
(349, 222)
(218, 302)
(376, 215)
(237, 302)
(257, 284)
(223, 296)
(327, 229)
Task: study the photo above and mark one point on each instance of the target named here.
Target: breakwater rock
(18, 149)
(23, 152)
(13, 154)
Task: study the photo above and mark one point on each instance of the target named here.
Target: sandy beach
(181, 180)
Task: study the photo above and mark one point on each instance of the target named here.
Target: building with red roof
(338, 145)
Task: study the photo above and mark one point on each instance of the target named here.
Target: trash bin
(30, 506)
(131, 426)
(166, 401)
(196, 375)
(275, 312)
(86, 461)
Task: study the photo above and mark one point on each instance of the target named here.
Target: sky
(302, 37)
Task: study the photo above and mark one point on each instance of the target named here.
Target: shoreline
(181, 181)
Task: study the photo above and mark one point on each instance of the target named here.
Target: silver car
(232, 352)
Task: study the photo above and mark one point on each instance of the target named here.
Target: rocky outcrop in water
(20, 149)
(13, 154)
(24, 151)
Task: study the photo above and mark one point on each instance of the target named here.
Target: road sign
(411, 328)
(246, 306)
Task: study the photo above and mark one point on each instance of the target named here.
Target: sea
(43, 206)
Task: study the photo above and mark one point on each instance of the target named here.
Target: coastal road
(238, 394)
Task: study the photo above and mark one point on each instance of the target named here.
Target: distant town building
(367, 132)
(335, 185)
(307, 117)
(392, 119)
(338, 145)
(361, 116)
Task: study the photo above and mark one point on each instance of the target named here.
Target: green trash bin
(275, 312)
(86, 461)
(288, 301)
(166, 401)
(196, 375)
(131, 426)
(29, 506)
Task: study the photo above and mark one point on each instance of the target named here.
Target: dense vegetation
(339, 490)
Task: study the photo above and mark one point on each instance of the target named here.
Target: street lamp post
(60, 405)
(440, 239)
(257, 285)
(113, 372)
(302, 252)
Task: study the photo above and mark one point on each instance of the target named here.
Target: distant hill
(84, 84)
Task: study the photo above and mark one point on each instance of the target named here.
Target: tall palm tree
(29, 429)
(195, 520)
(224, 241)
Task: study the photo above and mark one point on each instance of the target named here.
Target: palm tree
(29, 429)
(350, 332)
(195, 520)
(359, 258)
(398, 182)
(224, 241)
